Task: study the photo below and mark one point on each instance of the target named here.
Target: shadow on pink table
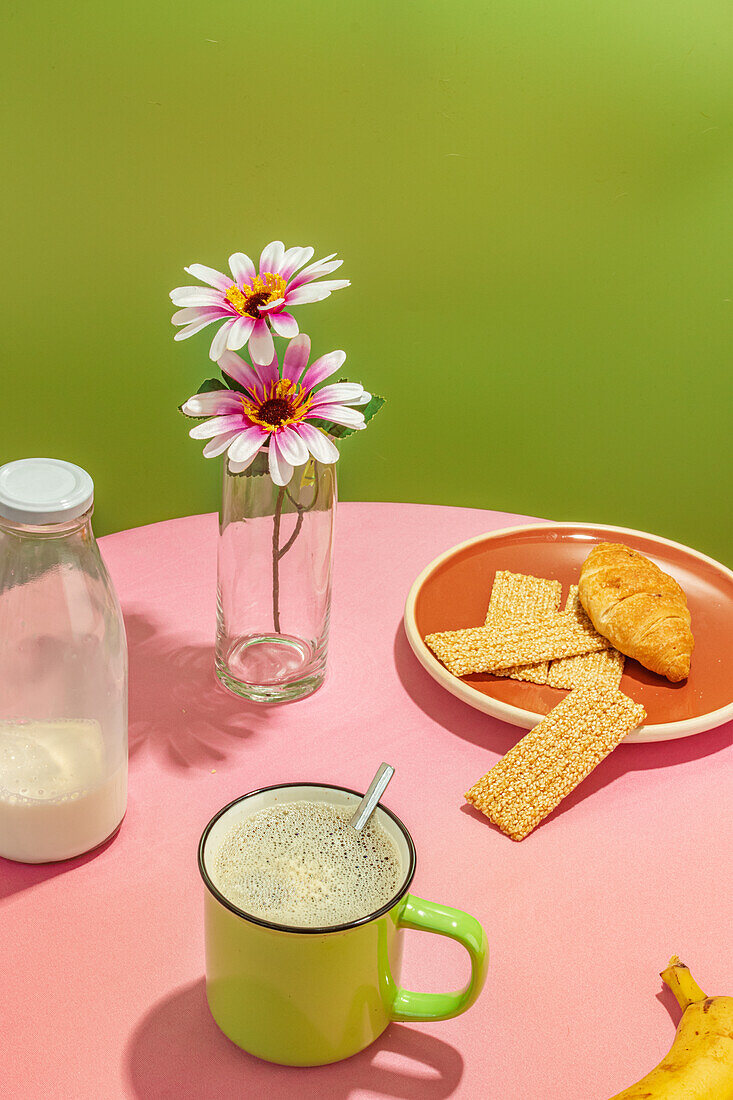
(178, 1051)
(481, 729)
(15, 877)
(178, 712)
(178, 709)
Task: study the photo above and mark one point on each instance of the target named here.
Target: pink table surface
(102, 991)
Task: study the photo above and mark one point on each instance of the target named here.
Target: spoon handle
(368, 804)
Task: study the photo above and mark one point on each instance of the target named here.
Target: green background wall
(533, 203)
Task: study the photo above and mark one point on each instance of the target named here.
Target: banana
(699, 1065)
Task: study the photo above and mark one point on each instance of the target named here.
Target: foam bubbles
(298, 864)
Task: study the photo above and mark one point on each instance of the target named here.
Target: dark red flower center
(275, 411)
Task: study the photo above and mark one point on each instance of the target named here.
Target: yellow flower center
(284, 403)
(265, 288)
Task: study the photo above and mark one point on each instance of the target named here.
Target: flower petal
(272, 257)
(276, 305)
(268, 373)
(196, 296)
(284, 324)
(240, 371)
(304, 295)
(194, 314)
(295, 258)
(209, 275)
(216, 426)
(320, 446)
(219, 444)
(238, 467)
(219, 343)
(324, 267)
(189, 314)
(339, 414)
(261, 347)
(196, 326)
(242, 267)
(363, 400)
(323, 368)
(239, 333)
(280, 469)
(247, 444)
(314, 292)
(296, 355)
(292, 447)
(214, 403)
(340, 393)
(334, 284)
(306, 274)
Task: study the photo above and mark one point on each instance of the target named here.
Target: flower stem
(276, 561)
(278, 551)
(301, 510)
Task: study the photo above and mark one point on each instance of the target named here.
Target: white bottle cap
(44, 490)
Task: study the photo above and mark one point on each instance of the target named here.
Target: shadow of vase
(178, 709)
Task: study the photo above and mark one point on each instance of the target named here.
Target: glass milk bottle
(63, 669)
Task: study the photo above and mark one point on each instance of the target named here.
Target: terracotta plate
(453, 592)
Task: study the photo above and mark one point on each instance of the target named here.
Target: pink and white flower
(276, 409)
(252, 301)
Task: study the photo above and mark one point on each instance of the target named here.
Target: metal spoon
(368, 804)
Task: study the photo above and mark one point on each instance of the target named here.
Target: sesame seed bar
(518, 596)
(486, 648)
(601, 669)
(552, 759)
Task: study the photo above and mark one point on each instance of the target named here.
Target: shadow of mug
(178, 1051)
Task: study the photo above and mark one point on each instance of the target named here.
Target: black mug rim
(299, 929)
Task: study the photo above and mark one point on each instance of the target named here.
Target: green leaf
(232, 384)
(373, 407)
(258, 468)
(339, 431)
(211, 384)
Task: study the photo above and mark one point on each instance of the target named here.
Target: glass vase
(274, 581)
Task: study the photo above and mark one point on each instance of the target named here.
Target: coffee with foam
(300, 864)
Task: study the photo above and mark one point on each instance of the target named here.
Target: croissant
(641, 610)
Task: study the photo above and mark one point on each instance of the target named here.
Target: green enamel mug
(310, 996)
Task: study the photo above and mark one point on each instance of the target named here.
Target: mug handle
(429, 916)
